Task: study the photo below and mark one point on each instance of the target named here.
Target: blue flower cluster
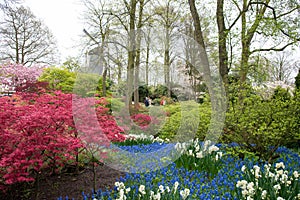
(201, 186)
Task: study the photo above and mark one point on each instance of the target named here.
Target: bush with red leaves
(37, 132)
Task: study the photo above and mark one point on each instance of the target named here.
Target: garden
(85, 146)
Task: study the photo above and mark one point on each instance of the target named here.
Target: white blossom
(142, 189)
(161, 188)
(243, 168)
(199, 154)
(264, 194)
(184, 193)
(279, 165)
(296, 174)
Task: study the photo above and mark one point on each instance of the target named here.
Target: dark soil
(66, 184)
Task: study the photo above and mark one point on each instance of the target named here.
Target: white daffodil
(184, 193)
(142, 189)
(161, 188)
(279, 165)
(264, 194)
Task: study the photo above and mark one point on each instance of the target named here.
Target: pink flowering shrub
(38, 133)
(15, 75)
(141, 119)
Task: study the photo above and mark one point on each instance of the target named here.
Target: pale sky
(63, 19)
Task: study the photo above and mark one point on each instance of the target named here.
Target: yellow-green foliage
(73, 82)
(59, 78)
(260, 126)
(186, 120)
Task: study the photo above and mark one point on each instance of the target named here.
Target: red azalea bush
(141, 119)
(37, 132)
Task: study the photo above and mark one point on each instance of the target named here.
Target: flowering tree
(15, 75)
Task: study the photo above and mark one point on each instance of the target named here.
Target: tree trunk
(167, 62)
(104, 82)
(222, 36)
(147, 59)
(200, 40)
(119, 64)
(131, 53)
(138, 55)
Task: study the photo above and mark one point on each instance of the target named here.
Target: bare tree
(168, 15)
(25, 39)
(8, 3)
(283, 67)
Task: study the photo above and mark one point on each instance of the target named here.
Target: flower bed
(233, 178)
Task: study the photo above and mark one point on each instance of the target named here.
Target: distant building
(94, 63)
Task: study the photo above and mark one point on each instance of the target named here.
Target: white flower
(250, 188)
(267, 168)
(284, 178)
(212, 149)
(151, 194)
(249, 198)
(190, 152)
(250, 185)
(178, 146)
(242, 184)
(184, 193)
(280, 198)
(256, 168)
(277, 187)
(244, 193)
(161, 188)
(271, 175)
(176, 184)
(219, 155)
(296, 174)
(168, 189)
(279, 172)
(264, 194)
(199, 154)
(142, 189)
(206, 144)
(243, 168)
(279, 165)
(127, 190)
(117, 184)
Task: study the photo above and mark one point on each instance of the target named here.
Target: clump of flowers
(205, 158)
(270, 182)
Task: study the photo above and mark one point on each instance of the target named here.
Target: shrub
(261, 126)
(38, 133)
(63, 79)
(34, 132)
(59, 78)
(183, 117)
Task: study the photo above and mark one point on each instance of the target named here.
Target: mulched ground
(67, 184)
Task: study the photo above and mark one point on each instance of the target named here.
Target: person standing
(146, 102)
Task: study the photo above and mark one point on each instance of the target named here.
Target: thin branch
(273, 48)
